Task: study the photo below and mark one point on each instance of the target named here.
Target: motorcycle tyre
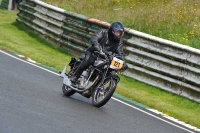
(67, 91)
(107, 97)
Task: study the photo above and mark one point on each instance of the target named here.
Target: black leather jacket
(100, 40)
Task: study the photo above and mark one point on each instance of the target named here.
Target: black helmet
(116, 31)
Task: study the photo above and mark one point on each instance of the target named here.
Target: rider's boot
(76, 82)
(75, 79)
(77, 74)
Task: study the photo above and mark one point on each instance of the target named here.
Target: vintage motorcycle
(99, 81)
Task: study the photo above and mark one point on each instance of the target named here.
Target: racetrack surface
(31, 101)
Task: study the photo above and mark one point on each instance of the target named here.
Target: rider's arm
(95, 40)
(120, 54)
(119, 50)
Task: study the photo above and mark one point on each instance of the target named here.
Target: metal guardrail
(7, 4)
(4, 4)
(168, 65)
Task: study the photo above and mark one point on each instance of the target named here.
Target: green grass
(168, 103)
(176, 20)
(15, 36)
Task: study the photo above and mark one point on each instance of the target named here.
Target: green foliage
(170, 104)
(16, 36)
(176, 20)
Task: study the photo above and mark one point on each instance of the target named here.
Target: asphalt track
(31, 101)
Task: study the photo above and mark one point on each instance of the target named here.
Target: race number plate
(116, 63)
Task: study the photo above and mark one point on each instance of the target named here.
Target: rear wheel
(67, 91)
(103, 93)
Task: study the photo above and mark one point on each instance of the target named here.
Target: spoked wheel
(103, 93)
(67, 91)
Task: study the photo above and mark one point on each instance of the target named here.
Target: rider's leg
(86, 62)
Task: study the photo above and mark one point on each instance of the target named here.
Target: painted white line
(152, 115)
(112, 97)
(28, 62)
(174, 119)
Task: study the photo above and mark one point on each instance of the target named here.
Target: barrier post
(10, 5)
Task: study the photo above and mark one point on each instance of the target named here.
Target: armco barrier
(4, 4)
(168, 65)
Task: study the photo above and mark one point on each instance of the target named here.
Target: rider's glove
(125, 66)
(102, 55)
(110, 57)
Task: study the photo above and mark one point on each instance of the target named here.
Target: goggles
(118, 33)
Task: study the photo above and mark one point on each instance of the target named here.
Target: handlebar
(102, 55)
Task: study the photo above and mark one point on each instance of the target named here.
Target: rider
(106, 40)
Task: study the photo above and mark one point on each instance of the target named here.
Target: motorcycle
(99, 81)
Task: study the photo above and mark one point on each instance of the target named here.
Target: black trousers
(88, 60)
(16, 1)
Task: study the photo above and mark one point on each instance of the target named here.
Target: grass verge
(15, 36)
(176, 20)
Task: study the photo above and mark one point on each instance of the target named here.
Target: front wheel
(67, 91)
(103, 93)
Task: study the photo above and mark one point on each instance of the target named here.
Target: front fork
(114, 76)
